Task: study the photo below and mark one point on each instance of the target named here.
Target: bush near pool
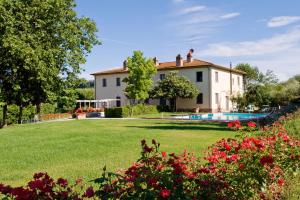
(255, 165)
(127, 111)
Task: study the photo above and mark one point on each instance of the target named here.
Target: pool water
(227, 116)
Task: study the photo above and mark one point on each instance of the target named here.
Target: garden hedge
(28, 112)
(127, 111)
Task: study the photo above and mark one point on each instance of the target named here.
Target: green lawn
(81, 148)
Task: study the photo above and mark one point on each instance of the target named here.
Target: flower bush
(45, 117)
(254, 165)
(44, 187)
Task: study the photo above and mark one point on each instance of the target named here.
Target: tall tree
(140, 73)
(174, 87)
(42, 44)
(252, 73)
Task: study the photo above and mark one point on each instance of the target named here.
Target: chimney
(189, 56)
(155, 60)
(125, 65)
(179, 61)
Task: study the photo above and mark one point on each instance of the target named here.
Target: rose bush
(44, 187)
(252, 166)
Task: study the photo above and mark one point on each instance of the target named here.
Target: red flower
(165, 193)
(164, 154)
(235, 124)
(227, 146)
(241, 166)
(152, 182)
(89, 192)
(280, 182)
(266, 160)
(62, 182)
(230, 125)
(36, 185)
(251, 124)
(231, 158)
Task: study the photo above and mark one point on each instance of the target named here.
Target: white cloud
(208, 17)
(273, 44)
(192, 9)
(284, 64)
(192, 23)
(178, 1)
(282, 21)
(230, 15)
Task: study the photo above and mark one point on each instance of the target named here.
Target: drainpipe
(230, 79)
(209, 88)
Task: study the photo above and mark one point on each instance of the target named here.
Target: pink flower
(165, 193)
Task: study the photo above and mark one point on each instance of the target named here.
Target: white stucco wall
(222, 87)
(111, 91)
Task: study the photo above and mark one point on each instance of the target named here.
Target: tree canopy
(140, 73)
(174, 87)
(42, 44)
(264, 88)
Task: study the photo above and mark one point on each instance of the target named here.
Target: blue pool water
(227, 116)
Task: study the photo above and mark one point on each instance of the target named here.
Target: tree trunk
(38, 111)
(4, 116)
(20, 114)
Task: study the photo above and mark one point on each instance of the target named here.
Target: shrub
(163, 108)
(13, 111)
(44, 187)
(116, 112)
(47, 108)
(253, 166)
(127, 111)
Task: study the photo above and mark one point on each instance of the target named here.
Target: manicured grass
(80, 148)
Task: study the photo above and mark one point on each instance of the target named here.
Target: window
(162, 102)
(104, 82)
(118, 81)
(147, 101)
(217, 77)
(118, 102)
(217, 98)
(238, 80)
(199, 77)
(200, 98)
(162, 76)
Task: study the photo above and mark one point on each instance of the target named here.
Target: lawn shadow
(185, 126)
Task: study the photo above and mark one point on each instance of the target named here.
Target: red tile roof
(172, 65)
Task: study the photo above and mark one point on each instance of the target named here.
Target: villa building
(217, 84)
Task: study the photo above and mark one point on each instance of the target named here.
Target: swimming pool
(227, 116)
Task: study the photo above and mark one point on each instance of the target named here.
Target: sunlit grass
(81, 148)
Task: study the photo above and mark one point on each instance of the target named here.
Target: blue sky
(264, 33)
